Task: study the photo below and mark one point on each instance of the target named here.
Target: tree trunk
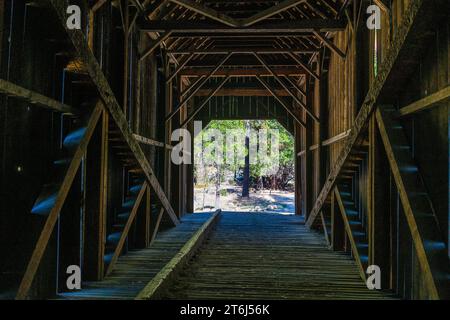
(246, 181)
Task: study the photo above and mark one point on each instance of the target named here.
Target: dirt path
(274, 201)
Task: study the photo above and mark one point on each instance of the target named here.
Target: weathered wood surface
(32, 97)
(133, 271)
(417, 206)
(425, 103)
(168, 274)
(282, 27)
(269, 256)
(52, 218)
(408, 44)
(127, 227)
(99, 79)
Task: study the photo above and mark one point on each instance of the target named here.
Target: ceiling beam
(243, 51)
(242, 72)
(243, 92)
(204, 102)
(263, 15)
(201, 27)
(207, 12)
(294, 96)
(281, 101)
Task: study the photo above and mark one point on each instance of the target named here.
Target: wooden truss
(419, 213)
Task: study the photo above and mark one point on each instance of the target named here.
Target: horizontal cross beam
(32, 97)
(243, 51)
(243, 92)
(242, 72)
(294, 26)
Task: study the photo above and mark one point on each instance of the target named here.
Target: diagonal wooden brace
(98, 78)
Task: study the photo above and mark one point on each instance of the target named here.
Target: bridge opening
(244, 166)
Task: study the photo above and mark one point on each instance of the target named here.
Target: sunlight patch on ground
(230, 199)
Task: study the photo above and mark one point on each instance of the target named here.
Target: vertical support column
(190, 175)
(308, 193)
(298, 169)
(184, 168)
(148, 215)
(168, 132)
(337, 226)
(175, 171)
(143, 220)
(323, 131)
(126, 41)
(378, 204)
(96, 202)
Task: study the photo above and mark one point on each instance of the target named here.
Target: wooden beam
(98, 5)
(295, 86)
(337, 225)
(426, 103)
(330, 141)
(383, 6)
(95, 202)
(304, 66)
(408, 37)
(196, 86)
(274, 10)
(151, 9)
(157, 224)
(419, 213)
(35, 98)
(46, 232)
(127, 227)
(242, 51)
(179, 68)
(281, 101)
(293, 95)
(204, 102)
(243, 92)
(336, 138)
(348, 230)
(207, 12)
(98, 78)
(329, 44)
(168, 273)
(150, 142)
(210, 28)
(156, 43)
(243, 72)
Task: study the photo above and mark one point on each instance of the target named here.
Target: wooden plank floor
(135, 269)
(269, 256)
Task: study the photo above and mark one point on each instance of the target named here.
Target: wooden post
(308, 158)
(378, 204)
(126, 53)
(96, 206)
(337, 226)
(168, 134)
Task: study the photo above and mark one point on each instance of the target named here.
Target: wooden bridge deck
(246, 256)
(269, 256)
(135, 269)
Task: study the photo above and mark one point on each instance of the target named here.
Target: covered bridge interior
(86, 116)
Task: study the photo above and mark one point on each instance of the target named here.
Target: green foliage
(217, 172)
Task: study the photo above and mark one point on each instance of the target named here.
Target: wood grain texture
(407, 43)
(46, 232)
(32, 97)
(425, 233)
(137, 268)
(168, 274)
(98, 78)
(269, 256)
